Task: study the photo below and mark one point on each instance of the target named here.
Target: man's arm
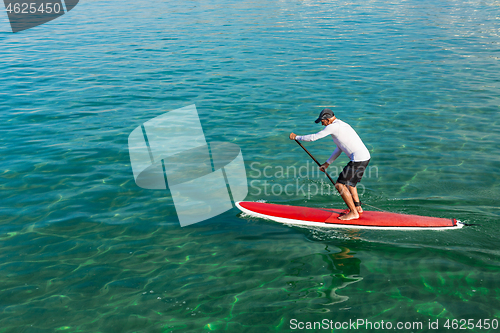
(336, 153)
(313, 137)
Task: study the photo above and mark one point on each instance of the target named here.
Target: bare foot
(345, 211)
(353, 215)
(360, 210)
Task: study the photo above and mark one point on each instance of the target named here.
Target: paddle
(308, 153)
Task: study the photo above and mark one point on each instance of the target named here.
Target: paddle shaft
(308, 153)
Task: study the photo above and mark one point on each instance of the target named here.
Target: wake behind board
(327, 217)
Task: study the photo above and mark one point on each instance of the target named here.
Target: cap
(325, 114)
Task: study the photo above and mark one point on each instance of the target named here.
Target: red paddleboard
(327, 217)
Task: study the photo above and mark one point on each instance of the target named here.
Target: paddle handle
(308, 153)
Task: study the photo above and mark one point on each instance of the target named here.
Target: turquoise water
(84, 249)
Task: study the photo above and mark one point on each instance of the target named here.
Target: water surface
(84, 249)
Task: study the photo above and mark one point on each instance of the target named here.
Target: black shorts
(352, 173)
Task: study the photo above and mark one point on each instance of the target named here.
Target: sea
(85, 249)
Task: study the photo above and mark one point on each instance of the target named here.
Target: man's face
(325, 122)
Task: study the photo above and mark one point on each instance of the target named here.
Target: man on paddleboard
(349, 142)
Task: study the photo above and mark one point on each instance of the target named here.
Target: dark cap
(325, 114)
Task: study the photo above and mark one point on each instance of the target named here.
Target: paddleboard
(327, 217)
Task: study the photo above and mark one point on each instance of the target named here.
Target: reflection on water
(349, 267)
(338, 268)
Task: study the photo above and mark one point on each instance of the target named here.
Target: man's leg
(345, 193)
(355, 197)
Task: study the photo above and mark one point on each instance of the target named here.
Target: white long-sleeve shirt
(346, 139)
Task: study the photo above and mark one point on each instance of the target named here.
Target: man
(347, 141)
